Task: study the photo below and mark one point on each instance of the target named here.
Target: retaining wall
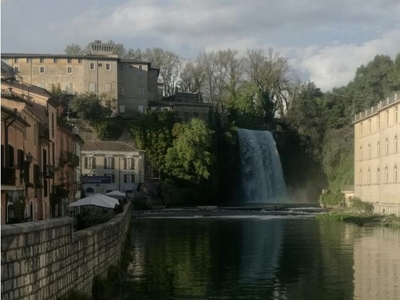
(46, 259)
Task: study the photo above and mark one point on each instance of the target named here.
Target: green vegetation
(75, 295)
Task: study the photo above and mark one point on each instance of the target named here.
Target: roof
(116, 146)
(18, 117)
(49, 55)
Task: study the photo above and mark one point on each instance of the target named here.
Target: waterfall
(262, 177)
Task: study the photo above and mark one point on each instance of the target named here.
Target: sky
(325, 40)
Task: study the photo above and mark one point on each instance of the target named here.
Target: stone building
(131, 82)
(185, 106)
(377, 155)
(111, 165)
(46, 140)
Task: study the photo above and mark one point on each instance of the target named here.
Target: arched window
(89, 190)
(361, 129)
(387, 146)
(379, 122)
(378, 149)
(396, 116)
(395, 173)
(378, 175)
(395, 144)
(386, 174)
(387, 118)
(369, 151)
(369, 176)
(360, 179)
(361, 154)
(369, 126)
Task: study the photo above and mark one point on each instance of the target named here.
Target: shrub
(360, 207)
(332, 198)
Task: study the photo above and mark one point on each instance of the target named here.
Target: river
(261, 257)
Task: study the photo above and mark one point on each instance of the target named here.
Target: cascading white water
(261, 169)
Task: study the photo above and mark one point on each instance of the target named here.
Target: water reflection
(261, 259)
(377, 264)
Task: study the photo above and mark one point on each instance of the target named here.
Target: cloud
(334, 66)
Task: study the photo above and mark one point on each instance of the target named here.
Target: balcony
(63, 123)
(7, 176)
(70, 158)
(44, 132)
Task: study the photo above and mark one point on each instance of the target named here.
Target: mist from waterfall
(261, 169)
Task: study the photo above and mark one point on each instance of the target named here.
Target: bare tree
(192, 77)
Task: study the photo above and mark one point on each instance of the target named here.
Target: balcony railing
(7, 176)
(70, 158)
(63, 123)
(43, 132)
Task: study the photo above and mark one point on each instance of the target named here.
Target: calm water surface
(261, 258)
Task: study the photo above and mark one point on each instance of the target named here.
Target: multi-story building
(43, 138)
(111, 165)
(131, 82)
(185, 106)
(377, 155)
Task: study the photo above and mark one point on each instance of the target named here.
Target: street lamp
(28, 159)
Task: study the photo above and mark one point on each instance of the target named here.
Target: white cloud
(334, 66)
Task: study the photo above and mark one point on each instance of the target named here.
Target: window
(52, 124)
(361, 129)
(141, 108)
(369, 126)
(41, 69)
(378, 149)
(112, 177)
(69, 60)
(107, 87)
(92, 87)
(141, 91)
(69, 70)
(396, 114)
(28, 60)
(129, 178)
(70, 87)
(361, 154)
(45, 188)
(369, 176)
(129, 163)
(79, 60)
(122, 108)
(16, 60)
(378, 175)
(16, 69)
(108, 67)
(41, 60)
(108, 162)
(387, 118)
(90, 162)
(386, 174)
(395, 173)
(55, 60)
(379, 122)
(386, 146)
(395, 144)
(122, 91)
(92, 66)
(369, 151)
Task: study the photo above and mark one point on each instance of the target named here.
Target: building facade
(111, 165)
(131, 82)
(377, 155)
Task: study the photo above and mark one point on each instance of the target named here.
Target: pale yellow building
(111, 165)
(377, 155)
(131, 82)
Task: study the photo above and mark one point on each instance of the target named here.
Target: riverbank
(390, 221)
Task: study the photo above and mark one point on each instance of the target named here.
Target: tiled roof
(108, 146)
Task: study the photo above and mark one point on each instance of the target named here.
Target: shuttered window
(129, 163)
(129, 178)
(109, 163)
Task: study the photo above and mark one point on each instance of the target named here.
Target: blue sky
(325, 40)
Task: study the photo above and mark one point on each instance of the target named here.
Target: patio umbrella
(115, 193)
(96, 200)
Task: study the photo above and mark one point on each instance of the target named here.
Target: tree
(192, 78)
(190, 158)
(87, 106)
(74, 49)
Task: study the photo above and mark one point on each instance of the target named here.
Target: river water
(261, 257)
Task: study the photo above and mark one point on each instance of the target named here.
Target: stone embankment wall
(46, 259)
